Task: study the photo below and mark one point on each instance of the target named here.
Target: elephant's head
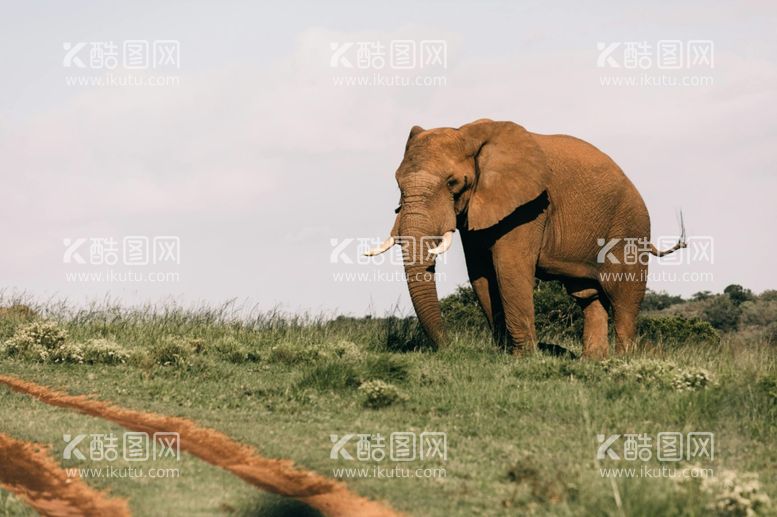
(482, 172)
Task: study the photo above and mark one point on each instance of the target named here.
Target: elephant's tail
(660, 253)
(681, 242)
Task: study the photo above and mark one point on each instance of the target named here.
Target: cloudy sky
(265, 138)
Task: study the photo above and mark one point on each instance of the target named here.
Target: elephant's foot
(596, 352)
(524, 348)
(625, 346)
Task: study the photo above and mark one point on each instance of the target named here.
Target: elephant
(527, 206)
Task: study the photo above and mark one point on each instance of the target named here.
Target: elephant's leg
(625, 309)
(626, 298)
(518, 302)
(480, 268)
(515, 264)
(625, 329)
(594, 303)
(487, 291)
(595, 342)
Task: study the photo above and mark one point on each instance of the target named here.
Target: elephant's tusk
(447, 240)
(384, 246)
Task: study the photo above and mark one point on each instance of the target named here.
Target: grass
(521, 432)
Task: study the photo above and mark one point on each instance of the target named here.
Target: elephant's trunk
(423, 293)
(420, 273)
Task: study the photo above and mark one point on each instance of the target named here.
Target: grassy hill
(521, 433)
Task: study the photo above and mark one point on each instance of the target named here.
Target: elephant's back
(591, 197)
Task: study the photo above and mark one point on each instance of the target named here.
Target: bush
(46, 341)
(172, 351)
(330, 375)
(735, 493)
(289, 353)
(47, 334)
(738, 294)
(541, 368)
(387, 367)
(345, 350)
(722, 313)
(654, 301)
(401, 335)
(662, 374)
(461, 310)
(230, 349)
(677, 329)
(69, 353)
(378, 394)
(691, 378)
(642, 371)
(759, 313)
(103, 351)
(555, 312)
(35, 341)
(770, 295)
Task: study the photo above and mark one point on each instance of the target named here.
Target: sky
(250, 152)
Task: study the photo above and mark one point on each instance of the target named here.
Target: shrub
(172, 351)
(401, 335)
(290, 353)
(47, 334)
(45, 341)
(735, 494)
(770, 295)
(378, 394)
(387, 367)
(294, 353)
(346, 350)
(103, 351)
(759, 313)
(722, 313)
(541, 368)
(656, 301)
(738, 294)
(555, 312)
(69, 353)
(692, 378)
(663, 374)
(677, 329)
(232, 350)
(461, 310)
(35, 341)
(642, 371)
(330, 375)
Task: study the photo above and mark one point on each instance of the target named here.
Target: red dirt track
(30, 473)
(281, 477)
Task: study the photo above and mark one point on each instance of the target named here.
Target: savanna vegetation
(521, 431)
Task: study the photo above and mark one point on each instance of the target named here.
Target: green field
(521, 431)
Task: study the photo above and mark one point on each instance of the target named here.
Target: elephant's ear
(414, 131)
(510, 170)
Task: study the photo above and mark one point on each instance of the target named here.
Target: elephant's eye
(451, 182)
